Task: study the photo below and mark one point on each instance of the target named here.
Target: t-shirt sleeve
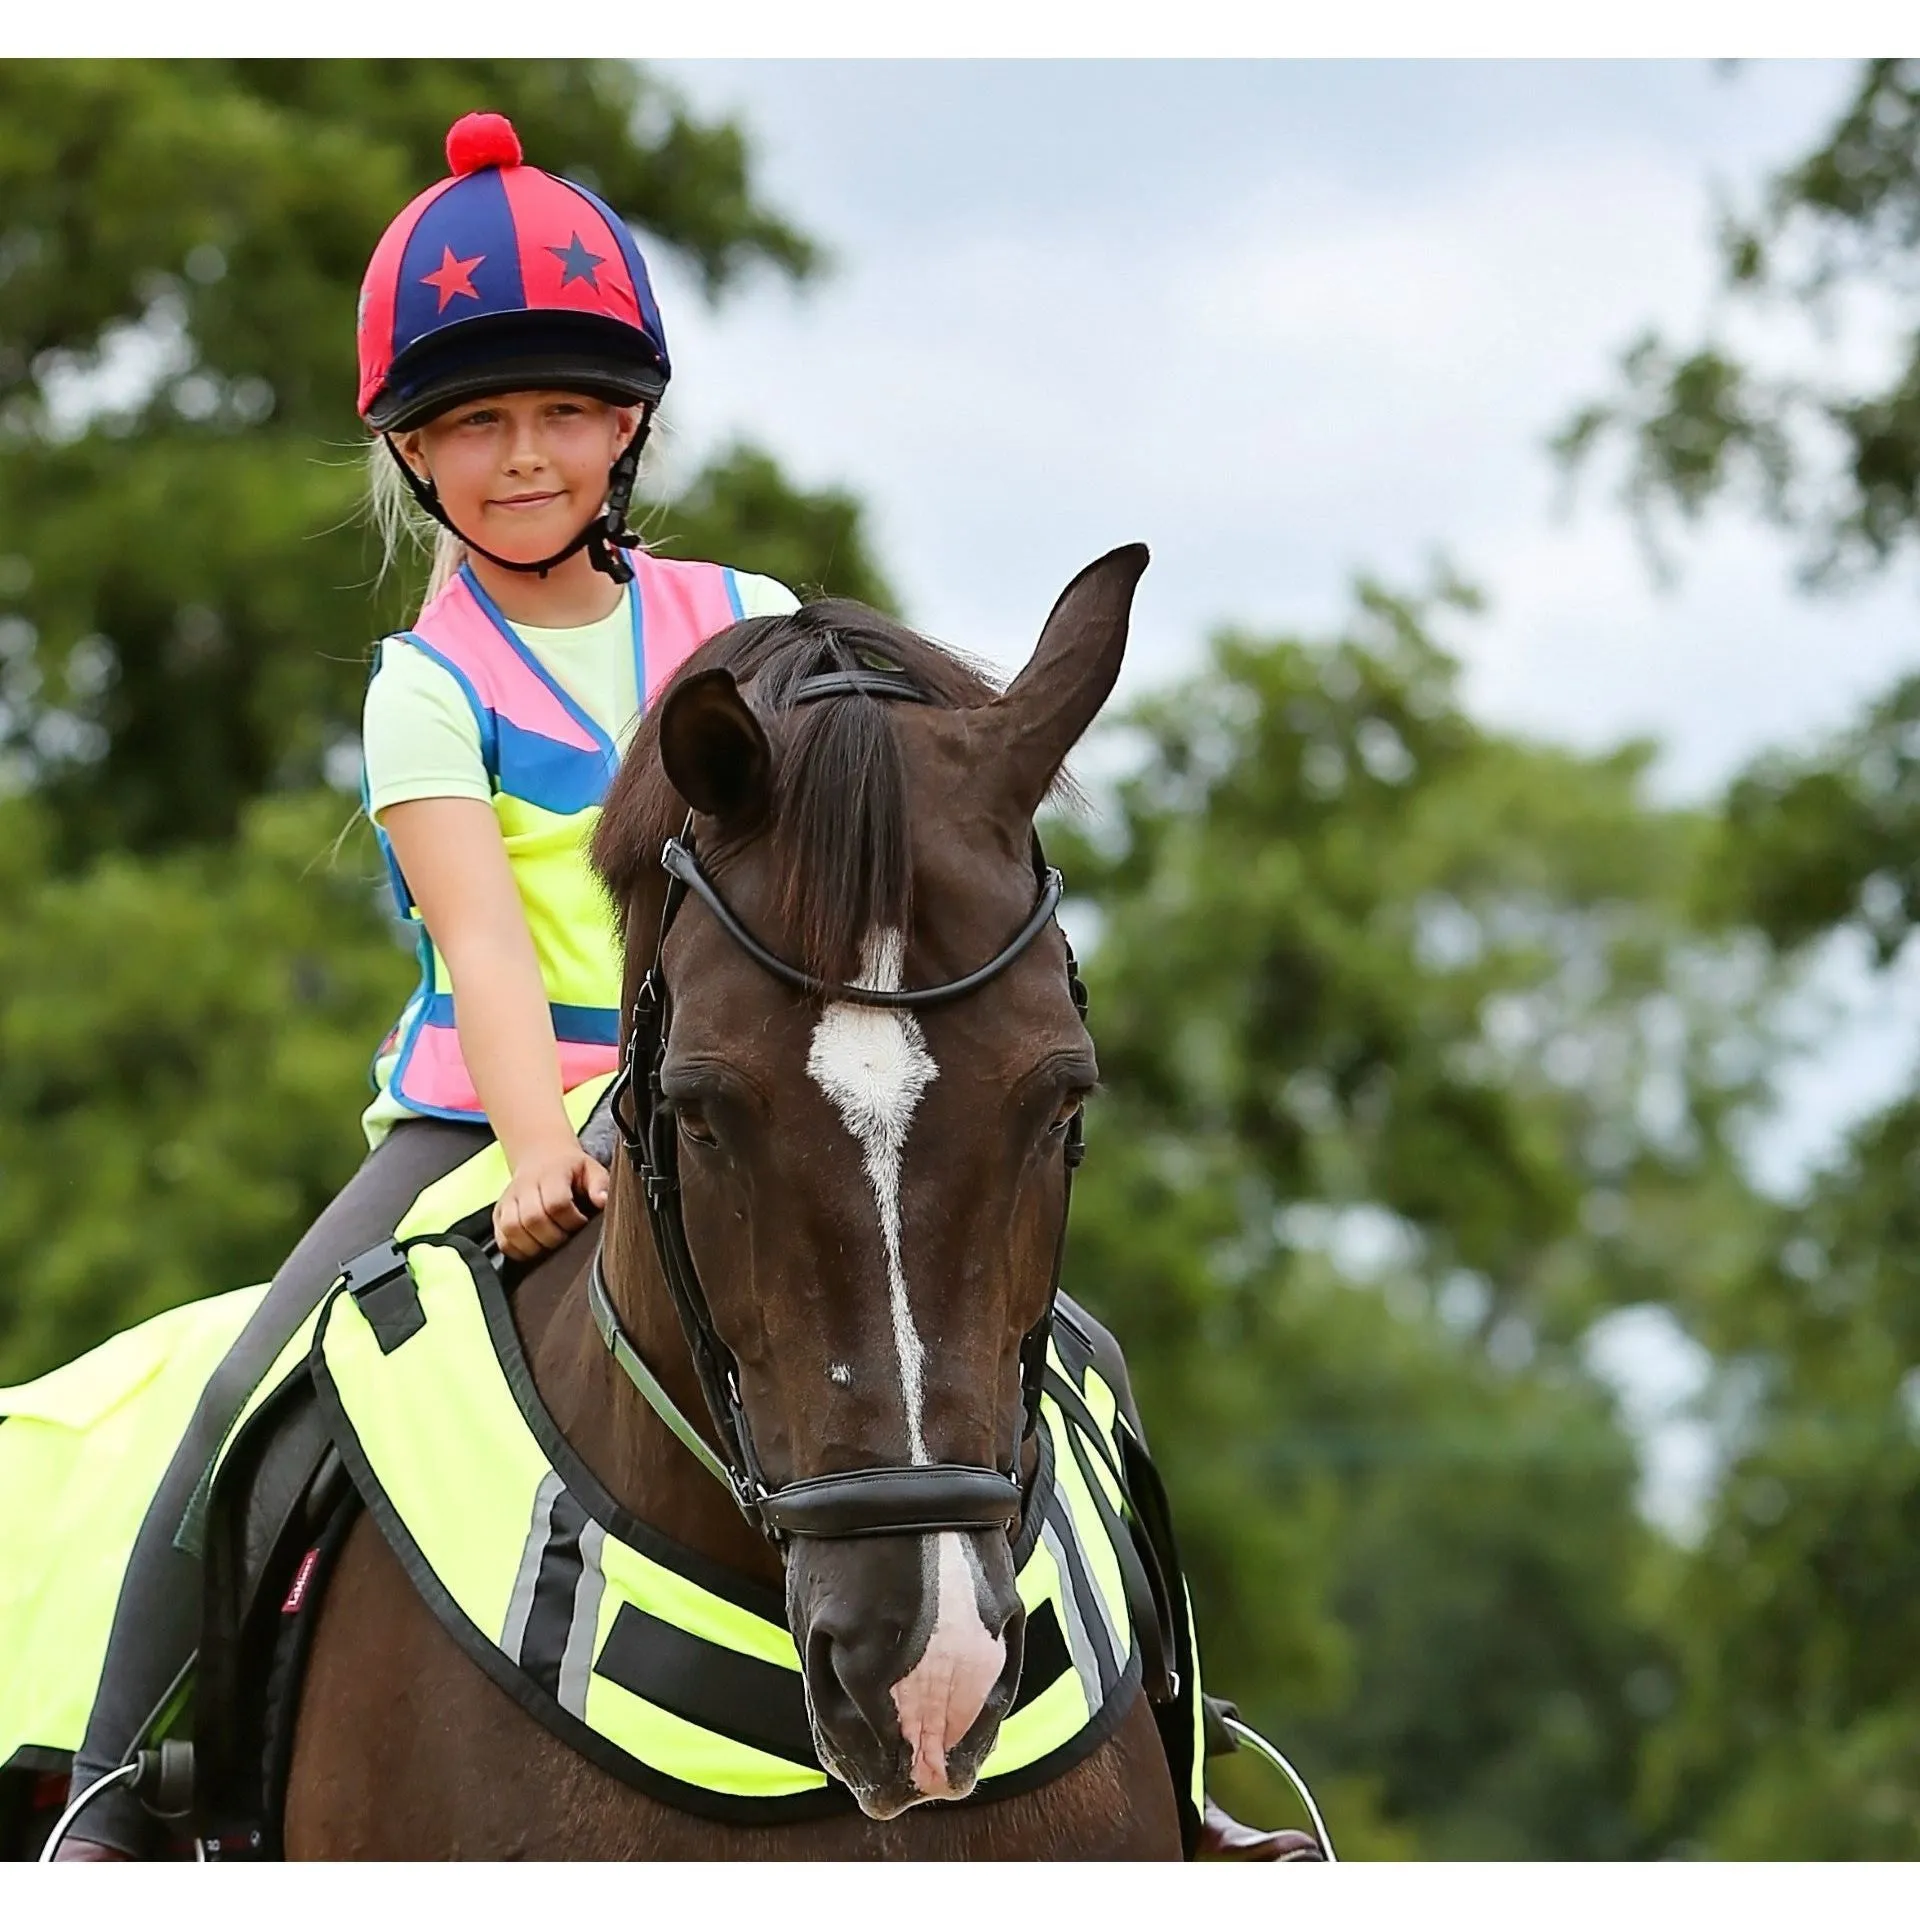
(419, 734)
(760, 595)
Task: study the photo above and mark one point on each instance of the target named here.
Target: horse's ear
(1072, 671)
(714, 748)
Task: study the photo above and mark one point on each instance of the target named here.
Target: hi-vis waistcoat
(671, 1673)
(548, 763)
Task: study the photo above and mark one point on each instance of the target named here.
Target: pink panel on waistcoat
(436, 1073)
(683, 603)
(584, 1060)
(454, 623)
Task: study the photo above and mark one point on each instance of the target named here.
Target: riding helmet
(500, 278)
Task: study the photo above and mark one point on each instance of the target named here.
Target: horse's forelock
(838, 830)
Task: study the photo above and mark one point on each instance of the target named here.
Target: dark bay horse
(874, 1201)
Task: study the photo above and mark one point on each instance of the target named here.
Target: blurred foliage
(183, 1048)
(1427, 1049)
(1414, 1066)
(1795, 1624)
(744, 507)
(1836, 461)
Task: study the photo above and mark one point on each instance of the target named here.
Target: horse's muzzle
(911, 1648)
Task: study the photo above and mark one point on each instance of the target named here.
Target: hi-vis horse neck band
(670, 1673)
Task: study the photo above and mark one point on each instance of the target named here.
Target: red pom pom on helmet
(478, 140)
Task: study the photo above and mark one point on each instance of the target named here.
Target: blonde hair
(404, 526)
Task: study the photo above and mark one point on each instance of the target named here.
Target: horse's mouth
(888, 1799)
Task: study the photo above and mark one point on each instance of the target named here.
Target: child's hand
(549, 1199)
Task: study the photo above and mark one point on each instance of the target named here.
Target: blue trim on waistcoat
(583, 1026)
(549, 773)
(484, 717)
(545, 773)
(483, 720)
(638, 601)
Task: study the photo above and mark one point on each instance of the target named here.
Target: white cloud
(1328, 366)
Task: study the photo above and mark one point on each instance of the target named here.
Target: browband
(680, 862)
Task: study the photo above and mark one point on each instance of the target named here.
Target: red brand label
(298, 1591)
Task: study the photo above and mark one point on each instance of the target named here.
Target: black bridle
(837, 1506)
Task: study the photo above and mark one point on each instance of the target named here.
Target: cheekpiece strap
(614, 1335)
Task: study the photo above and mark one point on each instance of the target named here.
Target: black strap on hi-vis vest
(878, 1500)
(384, 1289)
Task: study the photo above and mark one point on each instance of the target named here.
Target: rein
(835, 1506)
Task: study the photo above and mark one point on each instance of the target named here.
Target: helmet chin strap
(604, 537)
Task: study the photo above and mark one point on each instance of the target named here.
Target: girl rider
(511, 358)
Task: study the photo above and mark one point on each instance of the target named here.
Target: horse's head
(872, 1196)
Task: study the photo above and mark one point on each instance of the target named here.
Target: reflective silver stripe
(576, 1664)
(1085, 1662)
(539, 1528)
(1112, 1631)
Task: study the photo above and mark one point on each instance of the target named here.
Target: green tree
(1416, 1064)
(1834, 459)
(1794, 1625)
(744, 507)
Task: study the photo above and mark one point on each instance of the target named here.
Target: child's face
(522, 472)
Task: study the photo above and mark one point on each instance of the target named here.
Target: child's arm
(456, 869)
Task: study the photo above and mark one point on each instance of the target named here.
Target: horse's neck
(622, 1441)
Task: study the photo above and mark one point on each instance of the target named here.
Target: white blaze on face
(941, 1698)
(873, 1064)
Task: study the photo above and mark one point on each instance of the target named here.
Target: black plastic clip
(163, 1780)
(383, 1288)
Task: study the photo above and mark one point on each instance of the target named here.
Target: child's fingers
(512, 1236)
(562, 1215)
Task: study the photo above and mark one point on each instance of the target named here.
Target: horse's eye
(693, 1126)
(1063, 1115)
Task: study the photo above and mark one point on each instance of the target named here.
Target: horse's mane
(839, 822)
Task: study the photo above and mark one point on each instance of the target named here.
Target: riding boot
(1222, 1837)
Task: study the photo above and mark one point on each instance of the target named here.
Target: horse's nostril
(835, 1675)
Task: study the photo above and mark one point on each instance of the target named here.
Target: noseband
(832, 1506)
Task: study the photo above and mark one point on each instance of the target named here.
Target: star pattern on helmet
(578, 263)
(452, 276)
